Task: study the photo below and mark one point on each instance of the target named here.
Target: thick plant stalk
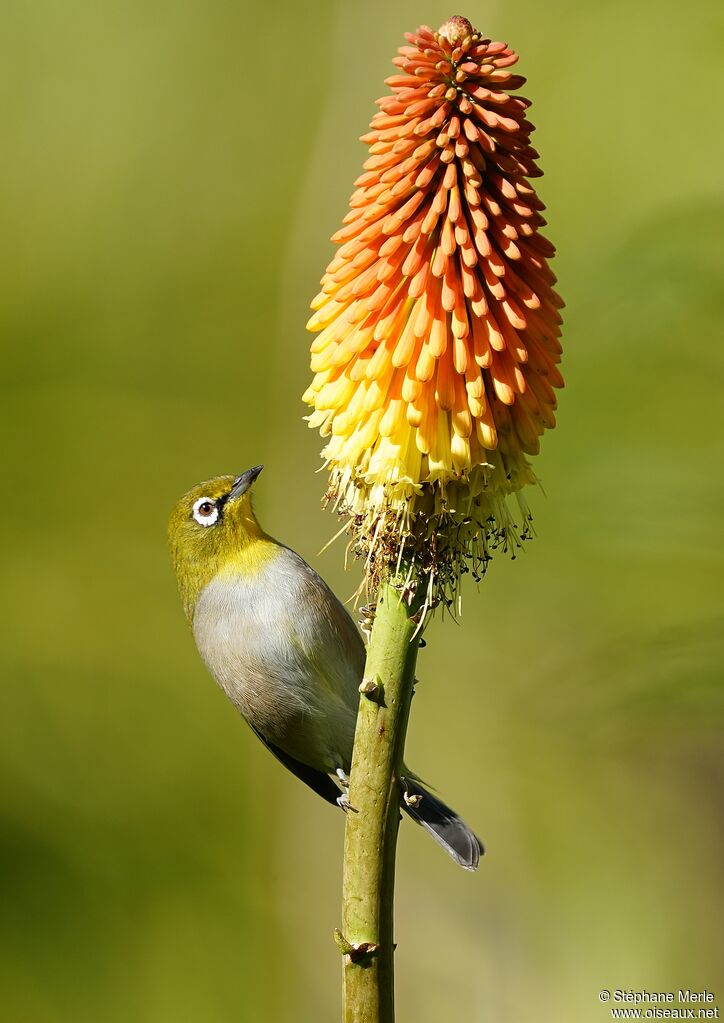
(375, 792)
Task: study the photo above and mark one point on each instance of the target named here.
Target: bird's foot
(344, 803)
(344, 778)
(413, 799)
(366, 618)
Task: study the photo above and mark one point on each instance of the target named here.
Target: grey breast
(287, 653)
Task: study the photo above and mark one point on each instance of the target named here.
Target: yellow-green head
(212, 530)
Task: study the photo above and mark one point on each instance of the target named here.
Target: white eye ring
(213, 515)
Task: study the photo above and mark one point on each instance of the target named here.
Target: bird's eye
(206, 511)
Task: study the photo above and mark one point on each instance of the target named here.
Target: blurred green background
(171, 173)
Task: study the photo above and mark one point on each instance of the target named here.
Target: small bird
(283, 648)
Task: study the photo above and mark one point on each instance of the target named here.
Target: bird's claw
(344, 803)
(366, 618)
(410, 800)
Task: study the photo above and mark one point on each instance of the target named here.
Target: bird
(283, 648)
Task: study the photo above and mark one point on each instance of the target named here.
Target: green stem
(370, 840)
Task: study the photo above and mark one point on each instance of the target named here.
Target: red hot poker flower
(436, 358)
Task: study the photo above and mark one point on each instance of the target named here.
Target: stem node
(360, 952)
(372, 689)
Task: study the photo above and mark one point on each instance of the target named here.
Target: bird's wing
(319, 782)
(325, 637)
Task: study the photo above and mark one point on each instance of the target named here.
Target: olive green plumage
(281, 645)
(200, 552)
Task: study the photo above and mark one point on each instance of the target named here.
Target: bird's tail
(449, 830)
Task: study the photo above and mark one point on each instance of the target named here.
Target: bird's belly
(294, 704)
(287, 714)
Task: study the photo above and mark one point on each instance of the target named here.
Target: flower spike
(435, 360)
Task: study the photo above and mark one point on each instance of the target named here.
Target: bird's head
(209, 531)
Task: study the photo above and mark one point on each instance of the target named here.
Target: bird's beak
(243, 482)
